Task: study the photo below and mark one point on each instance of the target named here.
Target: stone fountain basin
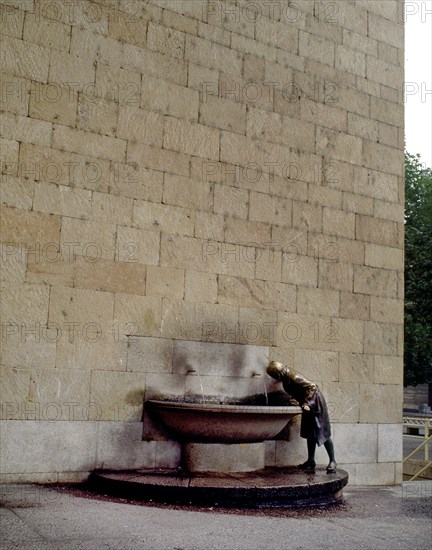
(223, 423)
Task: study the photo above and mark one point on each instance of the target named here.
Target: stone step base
(270, 487)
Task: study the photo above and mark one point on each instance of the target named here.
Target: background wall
(225, 172)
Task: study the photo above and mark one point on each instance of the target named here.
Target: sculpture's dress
(315, 424)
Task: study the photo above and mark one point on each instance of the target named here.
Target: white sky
(418, 78)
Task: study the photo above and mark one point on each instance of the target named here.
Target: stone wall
(225, 172)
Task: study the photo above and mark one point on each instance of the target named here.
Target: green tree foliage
(418, 272)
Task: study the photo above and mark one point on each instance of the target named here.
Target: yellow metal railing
(418, 422)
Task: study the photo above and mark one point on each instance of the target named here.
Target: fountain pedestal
(223, 457)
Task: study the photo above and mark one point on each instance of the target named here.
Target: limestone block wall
(198, 171)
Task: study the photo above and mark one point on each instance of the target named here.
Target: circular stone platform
(284, 487)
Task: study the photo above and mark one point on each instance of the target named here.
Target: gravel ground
(73, 518)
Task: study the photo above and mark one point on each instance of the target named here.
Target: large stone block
(339, 223)
(280, 296)
(219, 457)
(24, 129)
(27, 304)
(376, 230)
(54, 103)
(64, 168)
(97, 114)
(155, 64)
(195, 321)
(200, 287)
(357, 203)
(385, 30)
(220, 113)
(339, 146)
(231, 201)
(218, 359)
(317, 301)
(137, 245)
(61, 394)
(147, 354)
(381, 338)
(354, 306)
(317, 48)
(24, 446)
(375, 281)
(208, 54)
(336, 275)
(390, 440)
(118, 396)
(14, 392)
(79, 141)
(14, 94)
(96, 47)
(325, 196)
(29, 345)
(211, 227)
(51, 34)
(381, 403)
(307, 216)
(329, 116)
(375, 474)
(122, 27)
(167, 282)
(356, 367)
(381, 157)
(140, 125)
(379, 185)
(166, 218)
(154, 158)
(31, 229)
(303, 271)
(137, 315)
(118, 84)
(109, 276)
(237, 291)
(359, 42)
(87, 238)
(169, 99)
(167, 41)
(120, 447)
(317, 365)
(272, 210)
(388, 369)
(210, 256)
(68, 68)
(343, 401)
(347, 59)
(14, 18)
(192, 139)
(20, 60)
(62, 200)
(384, 257)
(387, 310)
(355, 443)
(188, 193)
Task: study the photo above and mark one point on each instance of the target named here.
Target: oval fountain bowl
(223, 423)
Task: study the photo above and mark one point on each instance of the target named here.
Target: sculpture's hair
(277, 370)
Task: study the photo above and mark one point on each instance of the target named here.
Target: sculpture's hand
(306, 407)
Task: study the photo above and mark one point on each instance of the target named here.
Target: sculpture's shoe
(331, 468)
(308, 466)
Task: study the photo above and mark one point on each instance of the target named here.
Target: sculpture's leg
(331, 468)
(309, 465)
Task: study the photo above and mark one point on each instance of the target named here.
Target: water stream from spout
(201, 386)
(194, 371)
(265, 393)
(257, 375)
